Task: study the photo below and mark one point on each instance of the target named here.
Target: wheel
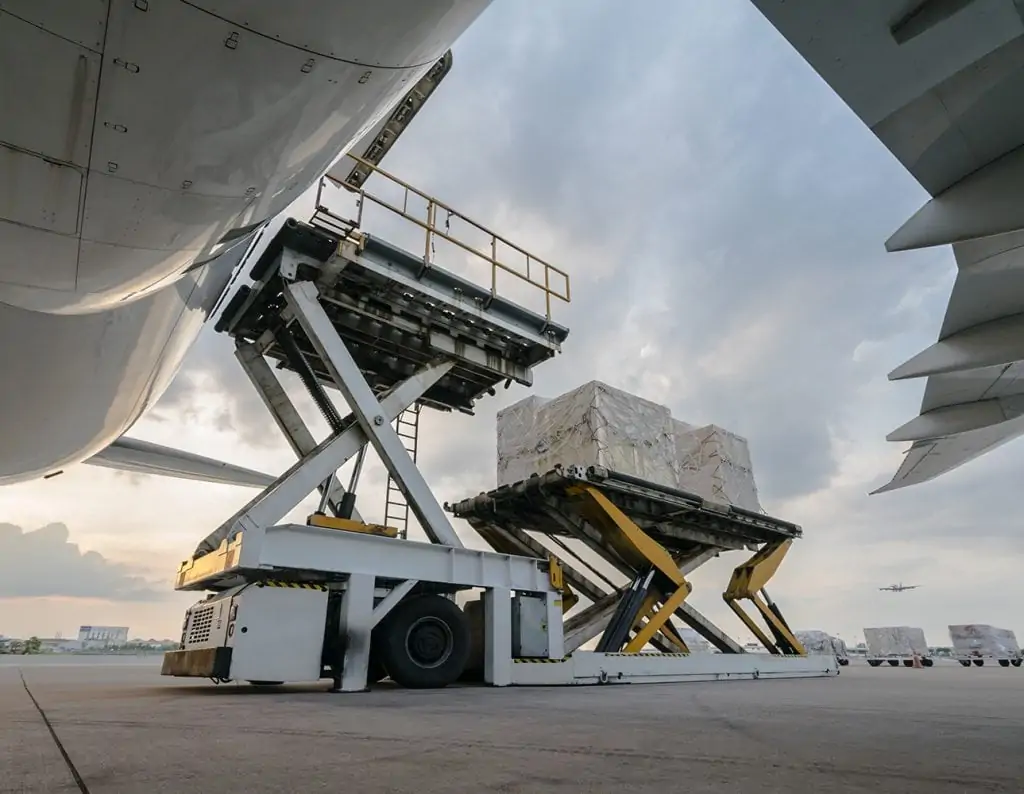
(424, 642)
(894, 662)
(874, 662)
(965, 662)
(1004, 662)
(1015, 662)
(908, 662)
(978, 662)
(843, 662)
(928, 662)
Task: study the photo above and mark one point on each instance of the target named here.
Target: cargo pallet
(353, 602)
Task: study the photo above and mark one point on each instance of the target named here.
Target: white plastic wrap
(715, 464)
(981, 640)
(821, 643)
(593, 425)
(895, 641)
(597, 425)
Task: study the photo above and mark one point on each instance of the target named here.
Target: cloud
(43, 563)
(718, 207)
(722, 215)
(716, 204)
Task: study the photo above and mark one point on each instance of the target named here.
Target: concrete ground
(126, 729)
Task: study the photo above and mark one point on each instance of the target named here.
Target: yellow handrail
(430, 227)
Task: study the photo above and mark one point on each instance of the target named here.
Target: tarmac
(125, 729)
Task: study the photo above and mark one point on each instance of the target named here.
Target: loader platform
(683, 522)
(396, 312)
(653, 536)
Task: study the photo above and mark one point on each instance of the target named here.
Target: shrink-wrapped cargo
(598, 425)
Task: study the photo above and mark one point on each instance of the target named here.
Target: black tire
(1015, 662)
(424, 642)
(1004, 662)
(894, 662)
(965, 662)
(843, 662)
(874, 662)
(928, 662)
(978, 662)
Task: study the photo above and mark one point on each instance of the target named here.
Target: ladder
(396, 508)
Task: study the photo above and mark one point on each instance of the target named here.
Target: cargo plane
(899, 588)
(143, 146)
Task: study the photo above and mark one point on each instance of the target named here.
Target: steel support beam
(497, 636)
(285, 415)
(303, 299)
(390, 601)
(275, 502)
(356, 625)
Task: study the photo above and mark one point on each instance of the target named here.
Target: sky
(722, 216)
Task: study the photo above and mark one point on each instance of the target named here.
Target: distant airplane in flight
(899, 588)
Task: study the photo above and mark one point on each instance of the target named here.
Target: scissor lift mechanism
(654, 536)
(389, 330)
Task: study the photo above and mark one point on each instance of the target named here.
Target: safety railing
(552, 281)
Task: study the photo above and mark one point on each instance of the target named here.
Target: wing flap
(940, 82)
(926, 460)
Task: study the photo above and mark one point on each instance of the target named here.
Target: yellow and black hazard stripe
(617, 653)
(541, 661)
(293, 585)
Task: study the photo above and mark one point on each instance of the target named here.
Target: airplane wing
(941, 83)
(143, 457)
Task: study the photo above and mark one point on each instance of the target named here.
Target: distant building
(102, 636)
(58, 645)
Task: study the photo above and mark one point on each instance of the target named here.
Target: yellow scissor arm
(748, 581)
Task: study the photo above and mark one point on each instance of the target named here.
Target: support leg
(302, 298)
(556, 640)
(285, 414)
(498, 636)
(656, 620)
(748, 581)
(355, 626)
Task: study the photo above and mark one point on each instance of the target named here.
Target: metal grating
(200, 625)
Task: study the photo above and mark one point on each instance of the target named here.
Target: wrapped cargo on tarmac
(973, 643)
(598, 425)
(821, 643)
(895, 645)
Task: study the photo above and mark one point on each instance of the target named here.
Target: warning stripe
(541, 661)
(647, 654)
(294, 585)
